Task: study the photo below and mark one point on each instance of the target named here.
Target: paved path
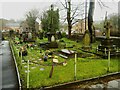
(9, 78)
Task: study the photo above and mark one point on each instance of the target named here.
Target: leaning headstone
(86, 41)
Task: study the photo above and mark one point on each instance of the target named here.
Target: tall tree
(50, 20)
(90, 19)
(69, 18)
(72, 14)
(31, 19)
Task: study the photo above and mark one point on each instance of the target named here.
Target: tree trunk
(69, 19)
(90, 20)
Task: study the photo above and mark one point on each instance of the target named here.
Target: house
(24, 27)
(79, 27)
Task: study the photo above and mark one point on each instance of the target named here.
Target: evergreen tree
(50, 20)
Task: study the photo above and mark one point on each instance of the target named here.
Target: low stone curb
(16, 68)
(80, 81)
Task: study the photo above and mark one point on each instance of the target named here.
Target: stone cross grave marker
(107, 27)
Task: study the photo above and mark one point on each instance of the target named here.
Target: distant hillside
(3, 22)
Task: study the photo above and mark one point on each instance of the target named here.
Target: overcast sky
(17, 9)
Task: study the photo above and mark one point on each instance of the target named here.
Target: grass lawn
(86, 67)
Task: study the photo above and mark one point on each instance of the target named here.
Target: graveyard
(49, 58)
(46, 52)
(59, 66)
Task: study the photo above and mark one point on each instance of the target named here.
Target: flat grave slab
(65, 53)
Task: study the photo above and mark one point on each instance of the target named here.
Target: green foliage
(114, 21)
(64, 34)
(50, 21)
(31, 18)
(99, 26)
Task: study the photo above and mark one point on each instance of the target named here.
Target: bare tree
(71, 15)
(90, 17)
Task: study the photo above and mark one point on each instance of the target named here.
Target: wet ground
(8, 72)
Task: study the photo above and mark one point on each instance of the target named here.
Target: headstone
(53, 38)
(65, 53)
(86, 41)
(29, 36)
(107, 27)
(107, 43)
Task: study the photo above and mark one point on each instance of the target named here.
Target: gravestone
(65, 53)
(29, 35)
(107, 42)
(52, 40)
(86, 41)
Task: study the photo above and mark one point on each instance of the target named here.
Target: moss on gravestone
(86, 39)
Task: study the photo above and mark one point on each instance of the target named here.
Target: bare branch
(63, 4)
(64, 20)
(66, 3)
(103, 4)
(73, 15)
(99, 4)
(75, 21)
(75, 11)
(61, 9)
(78, 20)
